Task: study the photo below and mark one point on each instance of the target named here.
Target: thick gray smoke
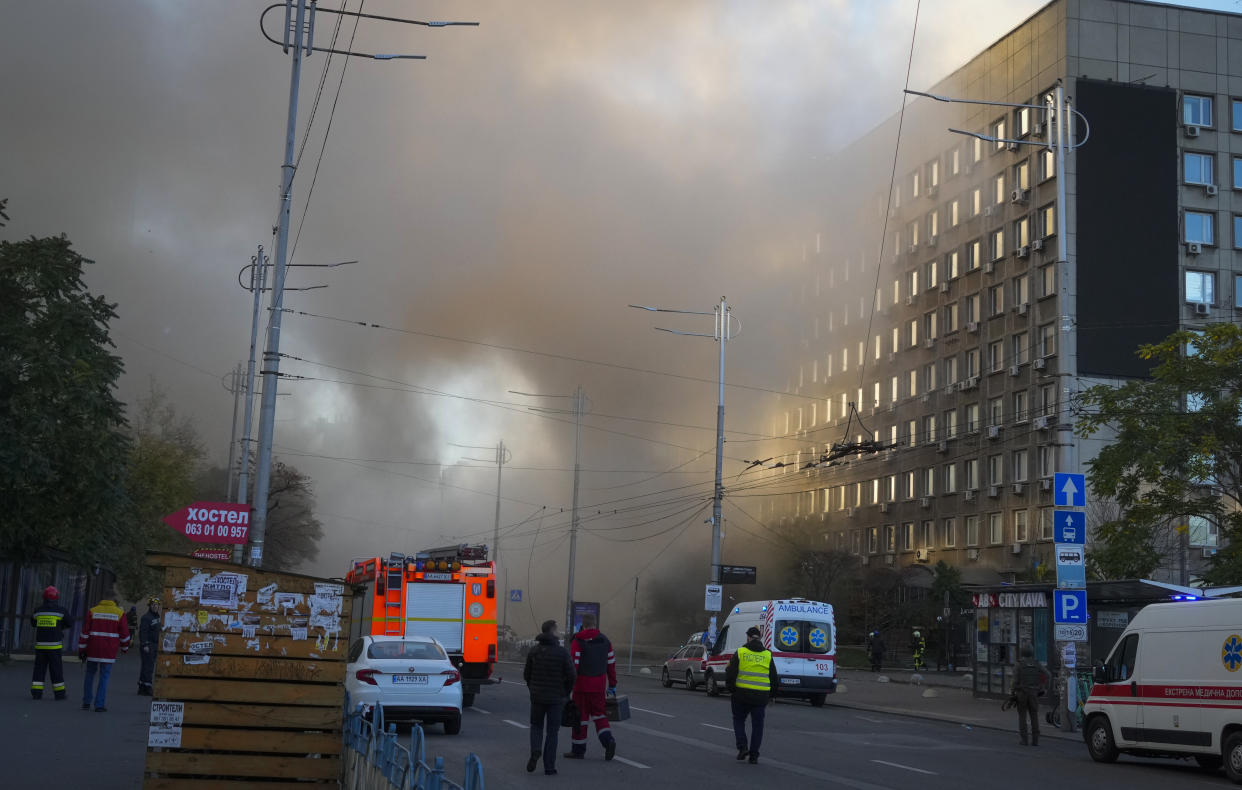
(520, 187)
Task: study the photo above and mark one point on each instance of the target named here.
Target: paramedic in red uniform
(596, 667)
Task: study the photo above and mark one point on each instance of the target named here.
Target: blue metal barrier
(374, 757)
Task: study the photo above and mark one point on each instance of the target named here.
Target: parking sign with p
(1069, 606)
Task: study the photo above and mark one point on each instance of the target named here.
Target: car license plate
(791, 681)
(410, 680)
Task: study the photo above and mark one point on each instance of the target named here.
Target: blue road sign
(1069, 490)
(1071, 566)
(1069, 526)
(515, 596)
(1069, 606)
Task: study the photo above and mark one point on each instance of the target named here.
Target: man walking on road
(549, 674)
(104, 632)
(149, 645)
(1028, 684)
(752, 676)
(49, 620)
(596, 666)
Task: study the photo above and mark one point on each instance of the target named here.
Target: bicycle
(1085, 681)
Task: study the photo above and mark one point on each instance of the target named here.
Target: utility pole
(579, 397)
(258, 280)
(500, 465)
(235, 387)
(633, 622)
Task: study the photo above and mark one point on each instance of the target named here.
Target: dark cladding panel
(1127, 227)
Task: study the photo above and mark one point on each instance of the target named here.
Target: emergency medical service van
(1172, 687)
(802, 637)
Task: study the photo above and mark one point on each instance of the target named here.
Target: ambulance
(446, 593)
(802, 637)
(1172, 687)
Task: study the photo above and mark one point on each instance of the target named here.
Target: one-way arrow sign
(1069, 490)
(1069, 526)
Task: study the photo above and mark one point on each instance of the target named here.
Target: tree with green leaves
(1174, 452)
(63, 447)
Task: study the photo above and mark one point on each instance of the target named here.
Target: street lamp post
(1059, 141)
(722, 333)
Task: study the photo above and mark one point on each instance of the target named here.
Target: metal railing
(376, 760)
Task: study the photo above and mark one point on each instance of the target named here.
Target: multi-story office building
(964, 340)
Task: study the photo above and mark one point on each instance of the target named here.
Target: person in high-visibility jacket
(104, 632)
(752, 676)
(49, 620)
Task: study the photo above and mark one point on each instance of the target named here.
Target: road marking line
(905, 767)
(717, 727)
(517, 724)
(654, 712)
(479, 710)
(630, 762)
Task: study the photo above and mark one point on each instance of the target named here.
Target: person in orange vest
(104, 633)
(49, 620)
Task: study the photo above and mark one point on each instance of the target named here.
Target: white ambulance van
(802, 636)
(1172, 687)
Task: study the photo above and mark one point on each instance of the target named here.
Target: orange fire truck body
(447, 593)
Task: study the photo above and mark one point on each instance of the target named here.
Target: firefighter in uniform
(148, 644)
(49, 620)
(752, 676)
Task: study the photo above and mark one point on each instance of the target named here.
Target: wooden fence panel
(249, 681)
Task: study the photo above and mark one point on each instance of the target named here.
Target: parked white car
(410, 677)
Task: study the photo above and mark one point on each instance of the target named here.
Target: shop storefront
(1004, 621)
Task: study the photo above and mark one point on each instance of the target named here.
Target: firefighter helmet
(51, 593)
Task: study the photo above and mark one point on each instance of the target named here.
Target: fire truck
(447, 593)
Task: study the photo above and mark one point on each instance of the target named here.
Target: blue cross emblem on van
(789, 636)
(818, 639)
(1231, 653)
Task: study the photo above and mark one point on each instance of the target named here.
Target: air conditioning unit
(988, 267)
(994, 491)
(925, 501)
(1037, 129)
(1022, 252)
(949, 390)
(932, 190)
(970, 495)
(849, 512)
(1014, 370)
(1045, 484)
(1018, 196)
(1202, 308)
(926, 397)
(913, 248)
(1011, 146)
(889, 559)
(972, 326)
(922, 555)
(884, 507)
(910, 300)
(993, 431)
(1191, 131)
(1209, 551)
(1037, 245)
(970, 383)
(1022, 308)
(931, 241)
(989, 211)
(891, 356)
(942, 447)
(929, 342)
(1040, 363)
(1019, 489)
(892, 406)
(1210, 190)
(1017, 548)
(1041, 423)
(1193, 248)
(972, 554)
(944, 287)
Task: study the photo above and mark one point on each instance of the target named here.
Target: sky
(520, 187)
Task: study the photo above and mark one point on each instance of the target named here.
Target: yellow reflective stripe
(755, 676)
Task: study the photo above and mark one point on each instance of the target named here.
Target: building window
(1021, 348)
(1236, 115)
(972, 363)
(1199, 227)
(1021, 532)
(1048, 220)
(891, 488)
(976, 150)
(1201, 287)
(1047, 165)
(926, 539)
(1045, 523)
(996, 300)
(972, 530)
(933, 226)
(996, 412)
(932, 274)
(856, 541)
(998, 131)
(929, 474)
(1197, 110)
(873, 540)
(996, 528)
(1237, 232)
(1021, 290)
(950, 424)
(1022, 232)
(998, 189)
(950, 370)
(914, 332)
(997, 244)
(1020, 465)
(1237, 172)
(996, 469)
(1237, 290)
(1047, 460)
(950, 265)
(950, 478)
(1022, 121)
(949, 533)
(996, 356)
(955, 212)
(971, 472)
(1048, 280)
(907, 482)
(955, 161)
(976, 201)
(914, 184)
(1047, 340)
(1021, 406)
(929, 377)
(929, 325)
(1198, 168)
(929, 430)
(950, 317)
(890, 538)
(1022, 175)
(1048, 400)
(912, 432)
(974, 252)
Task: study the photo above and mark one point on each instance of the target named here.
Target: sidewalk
(859, 689)
(957, 680)
(57, 744)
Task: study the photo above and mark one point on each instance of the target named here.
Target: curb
(944, 719)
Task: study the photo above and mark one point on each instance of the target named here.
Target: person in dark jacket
(1028, 684)
(752, 676)
(877, 651)
(596, 665)
(49, 620)
(148, 645)
(549, 675)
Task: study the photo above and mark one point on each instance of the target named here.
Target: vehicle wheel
(665, 680)
(1233, 757)
(467, 700)
(1100, 741)
(1209, 763)
(818, 700)
(452, 726)
(713, 688)
(690, 684)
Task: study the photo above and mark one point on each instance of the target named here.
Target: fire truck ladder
(394, 591)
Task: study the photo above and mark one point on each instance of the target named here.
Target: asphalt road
(684, 739)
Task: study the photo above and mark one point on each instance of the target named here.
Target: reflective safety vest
(753, 669)
(49, 620)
